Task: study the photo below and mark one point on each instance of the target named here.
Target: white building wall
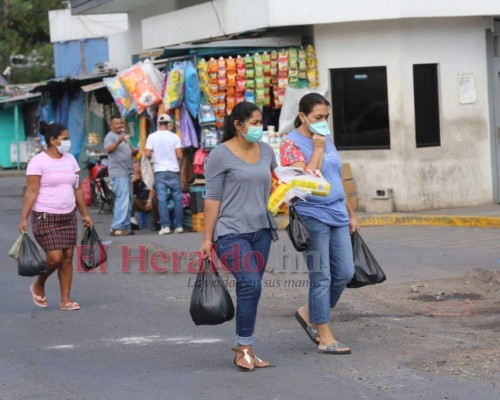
(215, 18)
(457, 173)
(65, 27)
(298, 12)
(203, 21)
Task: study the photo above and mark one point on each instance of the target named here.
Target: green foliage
(25, 32)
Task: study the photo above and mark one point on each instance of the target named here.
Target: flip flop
(38, 300)
(73, 306)
(311, 331)
(336, 348)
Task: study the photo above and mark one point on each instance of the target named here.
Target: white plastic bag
(148, 176)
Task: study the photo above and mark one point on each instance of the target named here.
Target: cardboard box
(350, 188)
(346, 172)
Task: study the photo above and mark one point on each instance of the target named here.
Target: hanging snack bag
(204, 79)
(231, 64)
(312, 67)
(283, 64)
(249, 96)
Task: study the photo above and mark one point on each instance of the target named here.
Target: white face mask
(63, 148)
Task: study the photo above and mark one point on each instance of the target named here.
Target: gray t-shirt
(242, 189)
(120, 161)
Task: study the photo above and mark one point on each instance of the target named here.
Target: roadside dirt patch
(466, 311)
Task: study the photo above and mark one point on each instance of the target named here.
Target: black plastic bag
(297, 231)
(211, 303)
(367, 270)
(92, 252)
(30, 261)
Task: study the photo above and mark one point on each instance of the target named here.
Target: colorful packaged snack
(288, 183)
(204, 79)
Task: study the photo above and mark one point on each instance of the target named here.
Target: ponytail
(297, 122)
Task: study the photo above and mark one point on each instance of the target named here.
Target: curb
(430, 220)
(416, 220)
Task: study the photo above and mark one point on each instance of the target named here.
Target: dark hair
(307, 103)
(241, 112)
(115, 116)
(51, 131)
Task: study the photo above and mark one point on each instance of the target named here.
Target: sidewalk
(481, 216)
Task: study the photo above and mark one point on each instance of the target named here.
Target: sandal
(38, 300)
(335, 348)
(244, 360)
(73, 306)
(258, 363)
(311, 331)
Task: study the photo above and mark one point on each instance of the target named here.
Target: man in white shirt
(165, 150)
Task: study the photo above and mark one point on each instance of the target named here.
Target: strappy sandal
(336, 348)
(311, 331)
(248, 359)
(258, 363)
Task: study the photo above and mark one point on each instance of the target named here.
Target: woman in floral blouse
(330, 220)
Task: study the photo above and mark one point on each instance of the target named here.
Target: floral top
(291, 154)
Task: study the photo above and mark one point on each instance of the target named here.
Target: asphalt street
(134, 339)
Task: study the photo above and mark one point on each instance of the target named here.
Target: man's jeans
(330, 264)
(245, 255)
(123, 203)
(169, 180)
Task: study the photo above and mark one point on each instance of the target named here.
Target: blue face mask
(254, 133)
(320, 128)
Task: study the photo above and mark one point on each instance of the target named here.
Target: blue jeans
(169, 180)
(144, 219)
(245, 255)
(330, 265)
(123, 203)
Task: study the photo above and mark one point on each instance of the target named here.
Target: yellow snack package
(290, 183)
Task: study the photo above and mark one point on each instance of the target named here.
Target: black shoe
(156, 227)
(134, 227)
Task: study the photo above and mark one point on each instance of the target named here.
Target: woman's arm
(32, 189)
(292, 156)
(354, 225)
(80, 203)
(211, 210)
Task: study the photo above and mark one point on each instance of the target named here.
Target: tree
(25, 38)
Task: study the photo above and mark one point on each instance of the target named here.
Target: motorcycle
(101, 187)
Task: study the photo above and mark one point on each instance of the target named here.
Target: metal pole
(16, 130)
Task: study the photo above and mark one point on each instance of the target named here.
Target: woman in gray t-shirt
(238, 180)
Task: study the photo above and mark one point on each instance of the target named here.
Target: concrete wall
(457, 173)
